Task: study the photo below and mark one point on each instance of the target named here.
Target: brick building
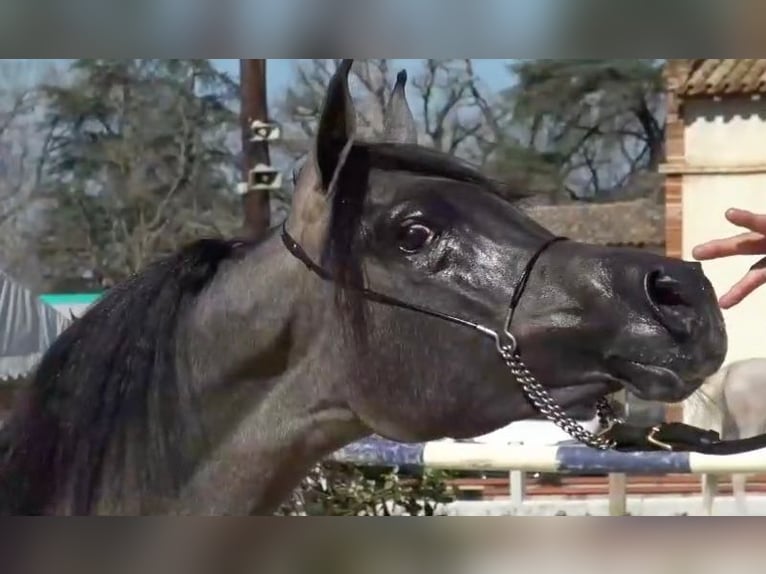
(716, 159)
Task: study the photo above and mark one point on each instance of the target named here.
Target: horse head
(421, 227)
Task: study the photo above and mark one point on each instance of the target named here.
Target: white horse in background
(733, 403)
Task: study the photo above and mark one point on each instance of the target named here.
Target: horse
(391, 301)
(727, 402)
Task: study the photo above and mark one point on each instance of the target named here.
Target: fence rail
(564, 458)
(494, 489)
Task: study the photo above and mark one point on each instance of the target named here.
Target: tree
(524, 135)
(141, 161)
(24, 151)
(453, 108)
(458, 116)
(333, 489)
(537, 173)
(600, 121)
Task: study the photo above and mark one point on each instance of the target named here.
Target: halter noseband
(503, 338)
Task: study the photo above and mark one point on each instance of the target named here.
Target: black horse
(211, 381)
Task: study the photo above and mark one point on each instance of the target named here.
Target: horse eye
(414, 236)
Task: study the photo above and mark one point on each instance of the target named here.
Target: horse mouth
(645, 381)
(650, 382)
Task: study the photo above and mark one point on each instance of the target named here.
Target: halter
(505, 343)
(615, 433)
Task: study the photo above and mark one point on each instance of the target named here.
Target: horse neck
(271, 408)
(256, 348)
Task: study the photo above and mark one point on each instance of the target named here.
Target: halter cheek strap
(503, 339)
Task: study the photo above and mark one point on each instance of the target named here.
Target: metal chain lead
(547, 406)
(606, 415)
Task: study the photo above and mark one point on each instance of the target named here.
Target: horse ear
(399, 124)
(337, 124)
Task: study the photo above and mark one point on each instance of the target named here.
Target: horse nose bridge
(636, 275)
(633, 265)
(624, 272)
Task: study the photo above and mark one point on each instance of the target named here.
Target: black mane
(107, 387)
(422, 160)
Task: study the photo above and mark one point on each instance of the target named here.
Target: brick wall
(675, 151)
(674, 73)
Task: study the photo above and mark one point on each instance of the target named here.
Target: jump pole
(563, 458)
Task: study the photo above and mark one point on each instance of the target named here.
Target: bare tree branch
(453, 113)
(182, 176)
(156, 161)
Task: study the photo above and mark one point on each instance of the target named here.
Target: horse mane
(107, 392)
(418, 159)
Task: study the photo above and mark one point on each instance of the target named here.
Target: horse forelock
(106, 394)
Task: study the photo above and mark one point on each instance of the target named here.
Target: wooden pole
(256, 206)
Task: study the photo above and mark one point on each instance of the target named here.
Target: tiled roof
(635, 223)
(705, 77)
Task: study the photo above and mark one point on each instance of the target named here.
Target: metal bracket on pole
(262, 177)
(261, 131)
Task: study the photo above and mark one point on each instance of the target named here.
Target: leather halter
(618, 434)
(502, 338)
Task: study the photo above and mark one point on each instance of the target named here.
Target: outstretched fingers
(749, 243)
(752, 242)
(749, 283)
(747, 219)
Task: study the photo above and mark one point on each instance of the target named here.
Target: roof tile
(710, 77)
(639, 222)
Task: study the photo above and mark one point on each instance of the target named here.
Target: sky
(280, 72)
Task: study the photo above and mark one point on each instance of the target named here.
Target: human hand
(752, 242)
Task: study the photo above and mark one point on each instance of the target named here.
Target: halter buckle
(504, 342)
(511, 343)
(651, 439)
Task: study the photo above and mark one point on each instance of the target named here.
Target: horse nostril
(670, 303)
(664, 291)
